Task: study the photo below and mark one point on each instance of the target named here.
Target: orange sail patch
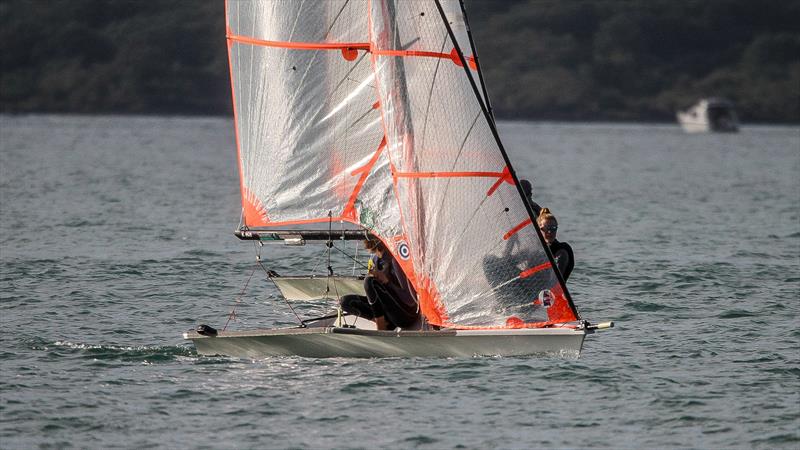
(504, 176)
(350, 49)
(255, 215)
(516, 229)
(560, 311)
(470, 60)
(364, 171)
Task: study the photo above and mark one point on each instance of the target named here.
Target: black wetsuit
(395, 300)
(565, 259)
(535, 207)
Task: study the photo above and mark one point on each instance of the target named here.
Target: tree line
(612, 60)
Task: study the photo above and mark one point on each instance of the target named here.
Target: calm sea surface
(116, 236)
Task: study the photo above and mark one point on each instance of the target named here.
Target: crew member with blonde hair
(562, 252)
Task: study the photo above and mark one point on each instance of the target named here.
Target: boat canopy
(372, 115)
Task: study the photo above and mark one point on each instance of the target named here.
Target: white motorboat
(709, 115)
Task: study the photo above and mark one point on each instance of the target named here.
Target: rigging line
(370, 110)
(347, 75)
(496, 135)
(297, 19)
(455, 161)
(355, 260)
(333, 22)
(475, 58)
(339, 314)
(498, 175)
(302, 45)
(430, 97)
(239, 299)
(316, 264)
(329, 244)
(302, 325)
(355, 122)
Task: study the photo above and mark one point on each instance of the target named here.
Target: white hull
(328, 342)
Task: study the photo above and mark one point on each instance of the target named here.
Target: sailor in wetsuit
(527, 188)
(562, 252)
(391, 301)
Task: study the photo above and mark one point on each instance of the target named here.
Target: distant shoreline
(540, 60)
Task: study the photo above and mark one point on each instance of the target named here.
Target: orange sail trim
(349, 210)
(411, 53)
(533, 270)
(516, 229)
(428, 297)
(447, 174)
(255, 215)
(242, 189)
(505, 176)
(300, 45)
(305, 221)
(470, 60)
(514, 322)
(349, 48)
(453, 55)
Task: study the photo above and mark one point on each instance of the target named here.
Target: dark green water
(116, 235)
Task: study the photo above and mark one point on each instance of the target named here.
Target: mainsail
(370, 112)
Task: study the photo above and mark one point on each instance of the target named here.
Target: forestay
(370, 113)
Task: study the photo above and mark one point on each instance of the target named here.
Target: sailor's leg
(397, 314)
(357, 305)
(375, 298)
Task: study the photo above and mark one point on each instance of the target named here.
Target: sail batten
(300, 45)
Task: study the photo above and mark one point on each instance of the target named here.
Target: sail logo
(403, 250)
(546, 298)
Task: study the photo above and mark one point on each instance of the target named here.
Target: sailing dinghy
(371, 117)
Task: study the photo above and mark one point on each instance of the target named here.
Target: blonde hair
(545, 215)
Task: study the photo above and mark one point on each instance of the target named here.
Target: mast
(475, 58)
(493, 128)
